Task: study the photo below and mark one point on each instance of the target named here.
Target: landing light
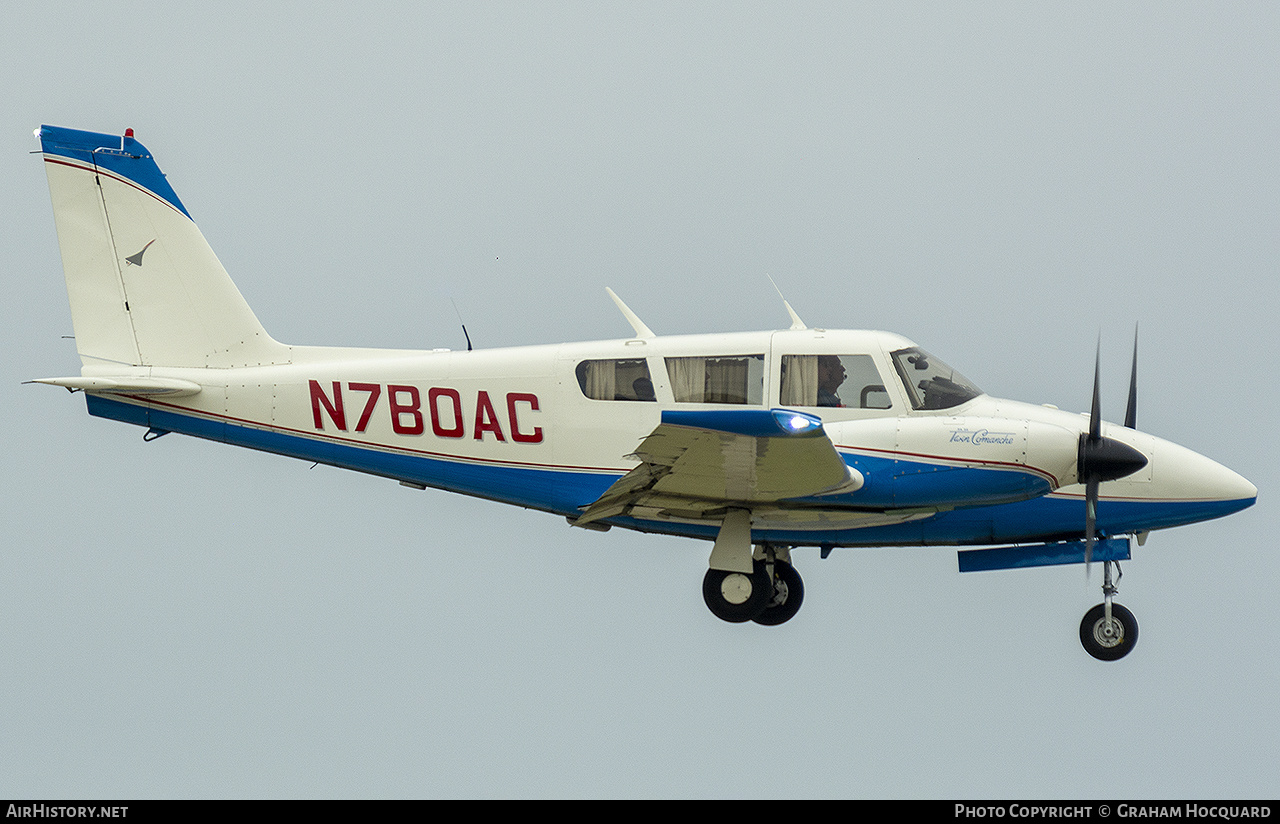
(796, 422)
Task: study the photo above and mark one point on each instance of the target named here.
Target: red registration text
(442, 407)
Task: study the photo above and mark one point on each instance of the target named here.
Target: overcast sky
(1000, 182)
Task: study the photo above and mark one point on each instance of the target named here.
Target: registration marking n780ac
(444, 406)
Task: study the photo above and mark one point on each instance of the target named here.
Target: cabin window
(930, 383)
(616, 380)
(849, 381)
(718, 379)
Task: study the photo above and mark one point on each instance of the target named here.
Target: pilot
(830, 375)
(643, 389)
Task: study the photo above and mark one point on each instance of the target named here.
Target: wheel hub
(736, 589)
(780, 594)
(1108, 634)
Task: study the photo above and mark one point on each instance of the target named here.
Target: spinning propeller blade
(1131, 411)
(1105, 459)
(1091, 483)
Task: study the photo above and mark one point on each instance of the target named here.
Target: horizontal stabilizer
(1057, 554)
(172, 387)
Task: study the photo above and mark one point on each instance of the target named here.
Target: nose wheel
(1108, 631)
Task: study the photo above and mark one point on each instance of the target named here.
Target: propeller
(1100, 459)
(1131, 410)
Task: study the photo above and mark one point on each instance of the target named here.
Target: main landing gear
(770, 594)
(1108, 631)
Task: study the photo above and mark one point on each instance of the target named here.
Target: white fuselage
(533, 426)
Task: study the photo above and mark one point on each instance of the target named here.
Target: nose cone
(1210, 480)
(1176, 487)
(1199, 483)
(1236, 487)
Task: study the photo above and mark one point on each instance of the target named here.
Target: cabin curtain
(688, 379)
(800, 380)
(726, 380)
(601, 380)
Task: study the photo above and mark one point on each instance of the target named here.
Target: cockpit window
(930, 383)
(616, 380)
(848, 381)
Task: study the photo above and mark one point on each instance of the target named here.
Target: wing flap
(709, 460)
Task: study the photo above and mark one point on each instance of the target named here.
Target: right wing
(703, 461)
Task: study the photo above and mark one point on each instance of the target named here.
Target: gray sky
(1001, 182)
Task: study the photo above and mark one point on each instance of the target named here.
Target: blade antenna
(464, 325)
(641, 330)
(796, 323)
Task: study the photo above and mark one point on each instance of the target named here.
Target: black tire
(787, 596)
(734, 596)
(1108, 647)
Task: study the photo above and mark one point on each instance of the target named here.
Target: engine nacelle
(948, 462)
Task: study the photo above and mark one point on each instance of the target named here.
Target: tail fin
(145, 288)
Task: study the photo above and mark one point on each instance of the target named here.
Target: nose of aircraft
(1183, 476)
(1237, 487)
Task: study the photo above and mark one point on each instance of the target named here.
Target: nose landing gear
(1108, 631)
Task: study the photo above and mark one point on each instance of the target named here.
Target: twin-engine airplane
(759, 442)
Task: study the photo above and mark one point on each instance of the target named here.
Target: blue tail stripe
(122, 156)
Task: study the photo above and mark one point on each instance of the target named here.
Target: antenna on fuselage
(464, 325)
(642, 331)
(796, 323)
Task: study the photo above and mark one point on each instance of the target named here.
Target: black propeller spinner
(1101, 459)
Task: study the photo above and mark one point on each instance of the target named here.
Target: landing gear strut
(788, 590)
(1108, 631)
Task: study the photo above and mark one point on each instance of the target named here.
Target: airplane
(758, 443)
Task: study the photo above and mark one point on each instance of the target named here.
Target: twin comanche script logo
(981, 437)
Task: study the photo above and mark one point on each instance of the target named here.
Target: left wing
(698, 461)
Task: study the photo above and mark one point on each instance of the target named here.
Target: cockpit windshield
(930, 383)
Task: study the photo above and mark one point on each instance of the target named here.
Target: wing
(699, 461)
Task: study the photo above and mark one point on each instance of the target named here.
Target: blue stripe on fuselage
(564, 491)
(553, 490)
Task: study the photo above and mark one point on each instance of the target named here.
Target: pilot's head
(830, 372)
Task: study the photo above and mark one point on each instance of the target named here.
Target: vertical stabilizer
(145, 288)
